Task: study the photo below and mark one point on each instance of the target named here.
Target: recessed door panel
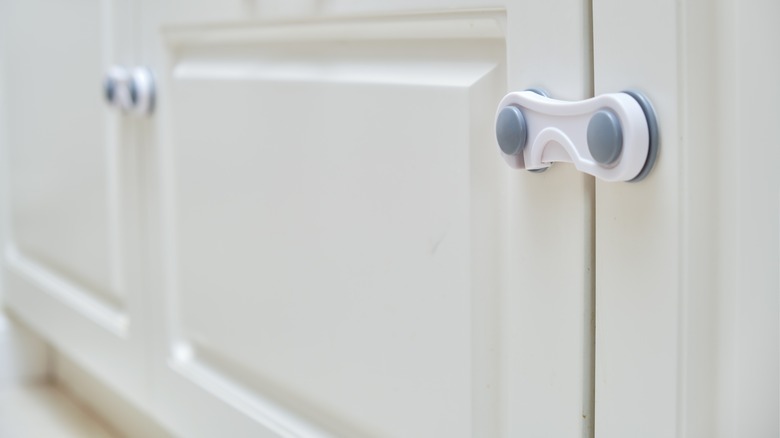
(345, 252)
(63, 192)
(327, 222)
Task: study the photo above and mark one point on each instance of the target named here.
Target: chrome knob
(142, 91)
(130, 90)
(115, 88)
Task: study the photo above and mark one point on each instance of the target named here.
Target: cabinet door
(70, 163)
(687, 282)
(344, 252)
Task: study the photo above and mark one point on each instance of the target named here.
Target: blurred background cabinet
(72, 252)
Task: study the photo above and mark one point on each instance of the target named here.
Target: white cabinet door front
(345, 253)
(69, 256)
(688, 329)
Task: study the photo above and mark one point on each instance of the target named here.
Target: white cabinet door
(344, 251)
(687, 279)
(69, 260)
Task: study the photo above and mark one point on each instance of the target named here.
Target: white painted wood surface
(70, 253)
(40, 410)
(749, 326)
(314, 235)
(23, 356)
(547, 302)
(687, 261)
(101, 401)
(639, 266)
(354, 214)
(326, 259)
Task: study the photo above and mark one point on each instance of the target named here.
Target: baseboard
(119, 414)
(24, 357)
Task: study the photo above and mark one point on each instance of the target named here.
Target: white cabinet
(314, 233)
(72, 253)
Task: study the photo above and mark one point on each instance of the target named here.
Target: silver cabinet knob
(142, 91)
(613, 136)
(130, 90)
(115, 87)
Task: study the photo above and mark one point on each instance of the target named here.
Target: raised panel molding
(337, 207)
(64, 178)
(66, 293)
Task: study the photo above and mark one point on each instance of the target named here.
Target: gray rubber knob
(605, 137)
(511, 131)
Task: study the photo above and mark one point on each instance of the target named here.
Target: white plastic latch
(613, 137)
